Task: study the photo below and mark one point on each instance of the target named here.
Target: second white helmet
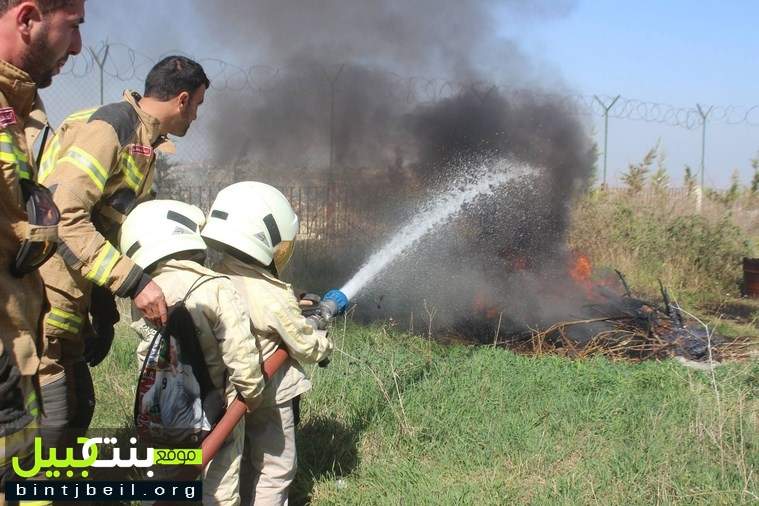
(159, 228)
(256, 220)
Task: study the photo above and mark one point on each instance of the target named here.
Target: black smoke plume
(339, 97)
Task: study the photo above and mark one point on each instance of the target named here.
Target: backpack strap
(183, 330)
(199, 282)
(180, 317)
(159, 335)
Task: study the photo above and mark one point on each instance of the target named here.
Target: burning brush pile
(605, 319)
(336, 106)
(499, 272)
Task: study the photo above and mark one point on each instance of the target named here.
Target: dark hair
(45, 6)
(173, 75)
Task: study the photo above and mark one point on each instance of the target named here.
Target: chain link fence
(328, 214)
(324, 211)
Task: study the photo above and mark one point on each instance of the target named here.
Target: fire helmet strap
(182, 220)
(271, 226)
(173, 216)
(133, 249)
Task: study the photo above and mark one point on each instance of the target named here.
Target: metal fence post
(332, 92)
(606, 129)
(704, 117)
(101, 65)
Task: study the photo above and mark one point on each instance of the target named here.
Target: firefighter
(163, 238)
(254, 227)
(99, 165)
(36, 38)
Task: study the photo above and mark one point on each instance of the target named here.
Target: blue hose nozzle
(337, 299)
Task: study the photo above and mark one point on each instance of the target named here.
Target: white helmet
(256, 220)
(159, 228)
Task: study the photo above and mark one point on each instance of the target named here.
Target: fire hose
(333, 303)
(234, 413)
(236, 410)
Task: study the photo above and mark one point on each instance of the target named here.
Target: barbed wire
(121, 62)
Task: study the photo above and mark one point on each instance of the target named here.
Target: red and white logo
(139, 149)
(7, 117)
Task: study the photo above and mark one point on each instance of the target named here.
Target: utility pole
(606, 109)
(101, 65)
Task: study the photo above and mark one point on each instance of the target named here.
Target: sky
(674, 52)
(677, 52)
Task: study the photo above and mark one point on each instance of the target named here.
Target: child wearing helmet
(254, 227)
(163, 238)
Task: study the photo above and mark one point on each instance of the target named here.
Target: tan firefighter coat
(22, 301)
(99, 164)
(229, 349)
(277, 320)
(222, 325)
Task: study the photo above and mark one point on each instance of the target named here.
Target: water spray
(489, 177)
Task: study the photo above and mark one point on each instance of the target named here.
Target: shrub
(697, 255)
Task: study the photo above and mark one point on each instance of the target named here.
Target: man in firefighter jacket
(99, 165)
(254, 226)
(163, 237)
(36, 38)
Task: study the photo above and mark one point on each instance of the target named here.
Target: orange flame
(481, 305)
(581, 270)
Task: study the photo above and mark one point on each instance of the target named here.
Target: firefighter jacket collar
(18, 88)
(152, 125)
(240, 268)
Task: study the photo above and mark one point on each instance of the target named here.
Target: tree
(636, 175)
(659, 181)
(730, 196)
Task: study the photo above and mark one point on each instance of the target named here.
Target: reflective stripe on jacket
(22, 118)
(98, 165)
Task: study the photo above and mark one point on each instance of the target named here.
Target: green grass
(396, 419)
(115, 382)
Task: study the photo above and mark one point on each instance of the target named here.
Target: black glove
(97, 342)
(99, 337)
(313, 313)
(13, 414)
